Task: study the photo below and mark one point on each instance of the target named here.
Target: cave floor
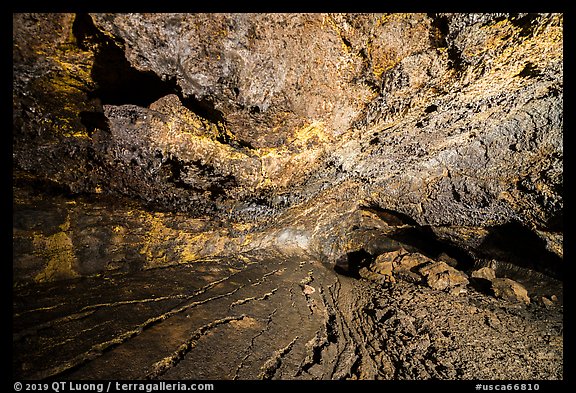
(265, 316)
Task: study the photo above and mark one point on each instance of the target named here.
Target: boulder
(441, 276)
(486, 273)
(508, 289)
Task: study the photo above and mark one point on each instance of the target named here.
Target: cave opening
(419, 237)
(350, 263)
(423, 239)
(119, 83)
(518, 250)
(515, 250)
(520, 247)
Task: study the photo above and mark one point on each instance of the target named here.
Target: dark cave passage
(119, 83)
(519, 246)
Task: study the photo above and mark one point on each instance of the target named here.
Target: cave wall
(289, 125)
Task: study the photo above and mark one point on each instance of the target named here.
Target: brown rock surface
(441, 276)
(510, 290)
(486, 273)
(202, 182)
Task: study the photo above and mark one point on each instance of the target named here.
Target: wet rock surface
(316, 196)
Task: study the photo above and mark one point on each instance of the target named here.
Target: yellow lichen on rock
(59, 251)
(314, 132)
(152, 248)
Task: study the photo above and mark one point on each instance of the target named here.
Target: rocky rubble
(438, 275)
(502, 287)
(441, 276)
(415, 267)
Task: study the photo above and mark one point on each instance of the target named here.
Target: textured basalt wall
(312, 133)
(287, 196)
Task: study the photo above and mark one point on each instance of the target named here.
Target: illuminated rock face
(453, 120)
(146, 141)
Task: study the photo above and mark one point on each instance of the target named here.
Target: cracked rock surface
(146, 305)
(287, 196)
(249, 318)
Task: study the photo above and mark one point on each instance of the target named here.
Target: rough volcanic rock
(251, 318)
(383, 145)
(413, 267)
(454, 120)
(510, 290)
(381, 269)
(486, 273)
(441, 276)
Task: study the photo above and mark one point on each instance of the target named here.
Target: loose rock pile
(439, 275)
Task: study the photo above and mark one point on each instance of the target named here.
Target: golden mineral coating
(238, 150)
(289, 131)
(454, 120)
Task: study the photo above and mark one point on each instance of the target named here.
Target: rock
(237, 135)
(448, 259)
(508, 289)
(383, 263)
(547, 302)
(248, 125)
(435, 267)
(457, 290)
(410, 261)
(308, 289)
(404, 267)
(368, 274)
(441, 276)
(486, 273)
(492, 320)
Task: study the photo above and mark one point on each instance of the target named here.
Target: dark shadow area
(556, 223)
(517, 245)
(118, 83)
(409, 235)
(179, 170)
(440, 31)
(391, 217)
(513, 244)
(203, 107)
(424, 240)
(517, 250)
(350, 263)
(440, 37)
(455, 59)
(93, 121)
(529, 71)
(39, 185)
(525, 23)
(481, 285)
